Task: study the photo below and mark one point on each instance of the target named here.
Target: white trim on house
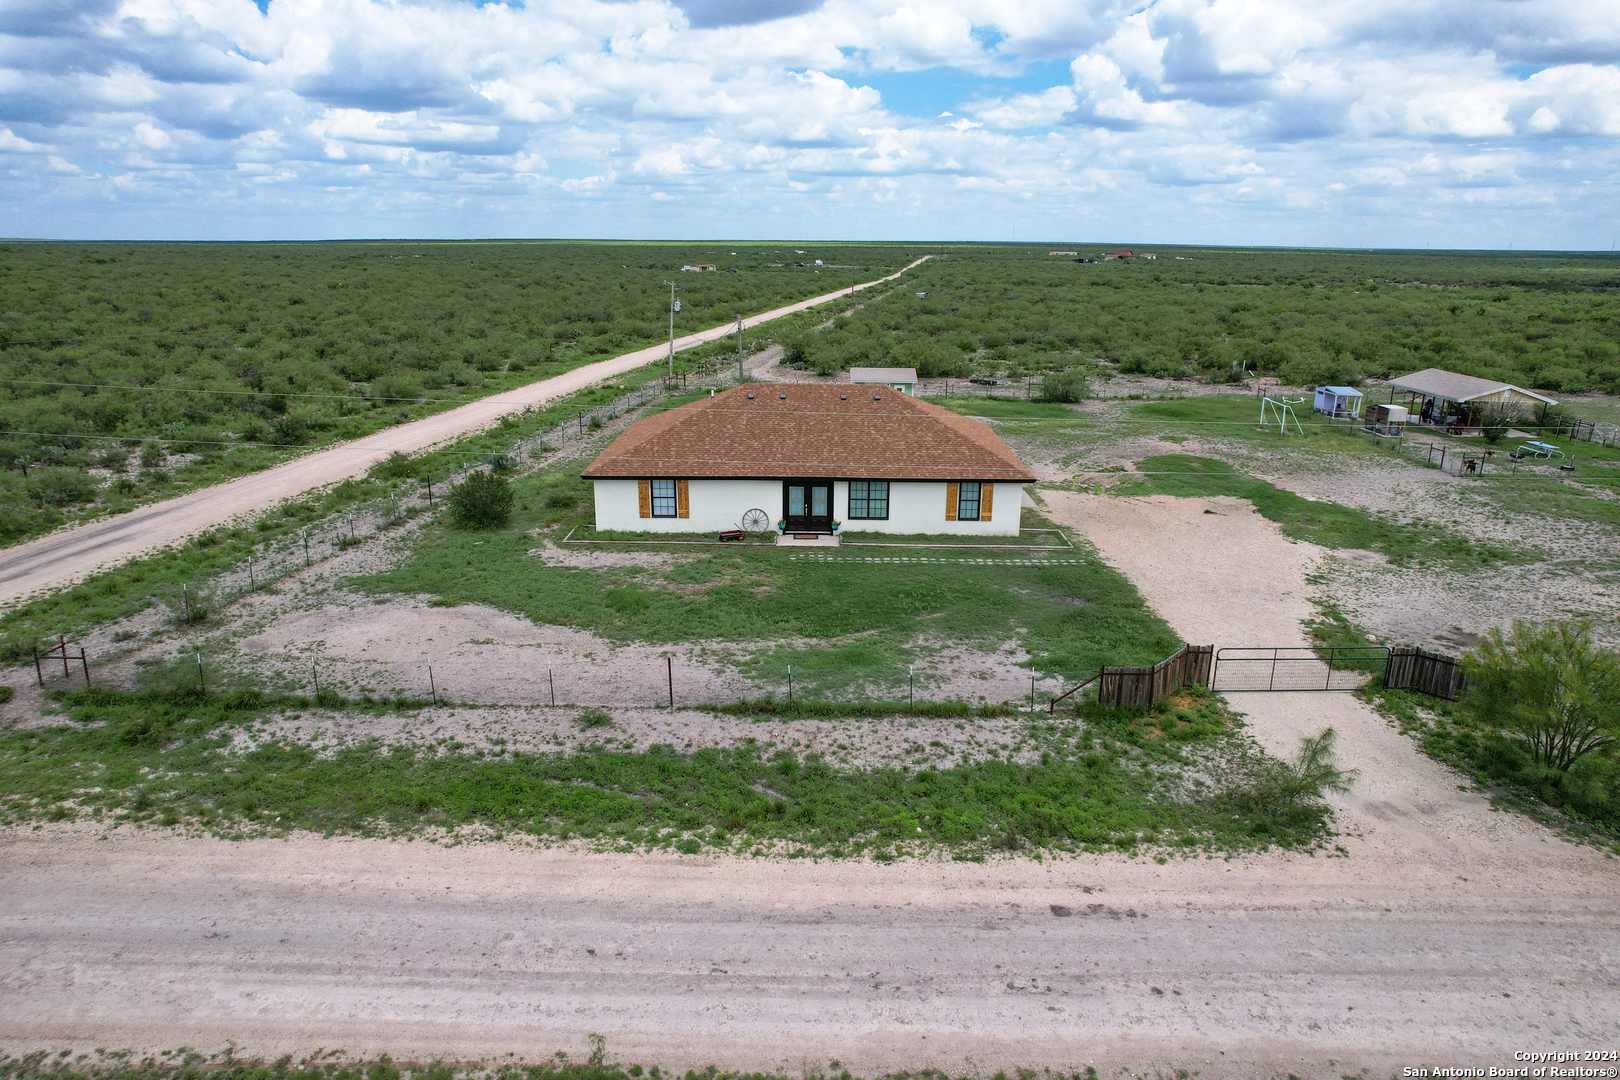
(914, 507)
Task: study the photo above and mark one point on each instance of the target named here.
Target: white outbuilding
(903, 379)
(1339, 402)
(809, 455)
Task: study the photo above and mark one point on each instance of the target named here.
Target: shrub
(1550, 687)
(594, 718)
(481, 501)
(401, 387)
(6, 694)
(395, 466)
(1067, 385)
(58, 485)
(153, 455)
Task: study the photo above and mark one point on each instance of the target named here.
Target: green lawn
(1011, 409)
(1069, 617)
(1237, 416)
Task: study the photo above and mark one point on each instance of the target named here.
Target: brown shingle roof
(826, 431)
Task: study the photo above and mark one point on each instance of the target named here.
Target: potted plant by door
(781, 526)
(835, 525)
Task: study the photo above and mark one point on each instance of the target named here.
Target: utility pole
(672, 310)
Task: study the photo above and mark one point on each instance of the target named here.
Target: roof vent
(843, 397)
(782, 396)
(750, 397)
(877, 397)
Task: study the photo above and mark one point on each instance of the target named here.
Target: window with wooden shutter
(644, 492)
(950, 501)
(683, 500)
(986, 503)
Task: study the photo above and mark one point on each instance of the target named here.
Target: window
(869, 499)
(663, 498)
(967, 500)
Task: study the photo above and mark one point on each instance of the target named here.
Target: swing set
(1280, 411)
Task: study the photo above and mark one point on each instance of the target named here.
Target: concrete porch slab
(819, 540)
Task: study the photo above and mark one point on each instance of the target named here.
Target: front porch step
(807, 540)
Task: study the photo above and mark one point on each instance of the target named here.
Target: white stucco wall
(920, 508)
(720, 504)
(715, 505)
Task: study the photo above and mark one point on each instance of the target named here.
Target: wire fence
(521, 675)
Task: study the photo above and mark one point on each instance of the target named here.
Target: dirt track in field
(70, 554)
(1445, 933)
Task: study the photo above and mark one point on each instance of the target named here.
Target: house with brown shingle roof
(808, 455)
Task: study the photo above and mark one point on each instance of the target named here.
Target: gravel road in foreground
(1318, 966)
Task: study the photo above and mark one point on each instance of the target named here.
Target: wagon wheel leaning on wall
(755, 521)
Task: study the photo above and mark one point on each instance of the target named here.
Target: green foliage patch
(1103, 780)
(233, 355)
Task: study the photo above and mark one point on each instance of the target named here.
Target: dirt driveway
(69, 554)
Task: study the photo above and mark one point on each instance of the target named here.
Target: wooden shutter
(986, 503)
(952, 491)
(683, 502)
(644, 490)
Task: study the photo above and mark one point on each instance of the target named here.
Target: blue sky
(1451, 123)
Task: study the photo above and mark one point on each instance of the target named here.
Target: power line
(262, 445)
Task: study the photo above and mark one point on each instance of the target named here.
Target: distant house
(699, 266)
(903, 379)
(1148, 255)
(1122, 253)
(1063, 253)
(809, 455)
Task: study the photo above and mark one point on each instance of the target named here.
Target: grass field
(1105, 780)
(1069, 618)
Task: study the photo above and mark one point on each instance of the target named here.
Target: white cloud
(1289, 117)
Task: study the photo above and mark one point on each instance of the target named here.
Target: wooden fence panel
(1147, 686)
(1431, 673)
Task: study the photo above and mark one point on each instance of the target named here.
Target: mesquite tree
(1551, 686)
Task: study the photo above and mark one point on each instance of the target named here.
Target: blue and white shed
(1340, 402)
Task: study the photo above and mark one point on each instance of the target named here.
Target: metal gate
(1283, 668)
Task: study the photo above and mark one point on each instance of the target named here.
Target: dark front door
(808, 505)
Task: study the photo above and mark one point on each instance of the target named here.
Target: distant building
(1063, 253)
(1124, 253)
(903, 379)
(700, 266)
(1148, 255)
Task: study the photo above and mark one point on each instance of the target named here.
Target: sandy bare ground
(69, 554)
(1444, 934)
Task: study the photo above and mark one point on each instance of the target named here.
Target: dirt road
(1258, 967)
(71, 554)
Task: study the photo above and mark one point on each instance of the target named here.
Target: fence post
(202, 687)
(67, 671)
(433, 690)
(790, 683)
(1032, 693)
(553, 684)
(251, 586)
(314, 673)
(669, 668)
(306, 549)
(911, 687)
(84, 658)
(39, 672)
